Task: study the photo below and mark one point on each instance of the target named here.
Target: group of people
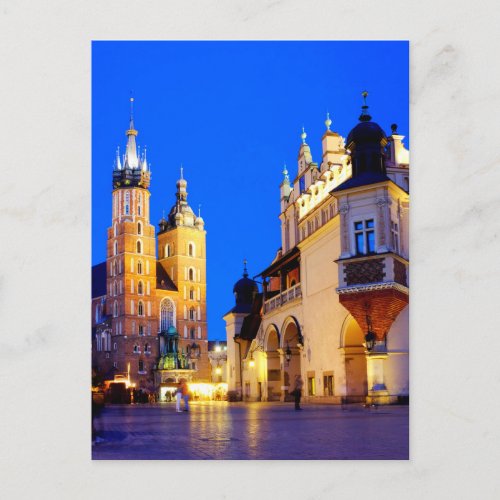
(182, 392)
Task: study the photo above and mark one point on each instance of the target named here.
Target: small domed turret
(245, 289)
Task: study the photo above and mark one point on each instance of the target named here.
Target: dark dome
(366, 132)
(244, 290)
(172, 331)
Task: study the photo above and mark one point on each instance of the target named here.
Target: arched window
(140, 288)
(139, 204)
(115, 249)
(167, 314)
(115, 309)
(191, 251)
(115, 289)
(139, 246)
(139, 267)
(167, 250)
(192, 315)
(191, 274)
(139, 228)
(127, 203)
(140, 308)
(191, 293)
(147, 348)
(136, 348)
(191, 333)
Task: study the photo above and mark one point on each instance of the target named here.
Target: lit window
(311, 386)
(364, 235)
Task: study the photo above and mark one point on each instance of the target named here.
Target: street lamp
(288, 354)
(251, 362)
(370, 340)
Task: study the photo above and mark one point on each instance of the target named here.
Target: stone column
(375, 362)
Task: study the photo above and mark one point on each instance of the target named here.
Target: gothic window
(136, 348)
(141, 330)
(191, 250)
(191, 274)
(139, 267)
(191, 333)
(115, 309)
(139, 228)
(127, 203)
(139, 246)
(147, 348)
(140, 288)
(140, 308)
(141, 365)
(139, 204)
(115, 290)
(191, 293)
(364, 236)
(395, 236)
(167, 314)
(192, 315)
(302, 183)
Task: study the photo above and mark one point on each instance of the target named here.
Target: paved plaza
(247, 431)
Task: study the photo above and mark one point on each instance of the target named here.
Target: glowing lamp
(370, 340)
(218, 370)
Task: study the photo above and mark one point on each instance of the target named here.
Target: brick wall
(368, 271)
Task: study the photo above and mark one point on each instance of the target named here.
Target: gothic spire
(131, 158)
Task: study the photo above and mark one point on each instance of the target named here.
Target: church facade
(149, 296)
(334, 301)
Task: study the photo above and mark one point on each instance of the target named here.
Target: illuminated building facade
(334, 301)
(149, 313)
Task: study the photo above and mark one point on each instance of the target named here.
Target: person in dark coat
(297, 391)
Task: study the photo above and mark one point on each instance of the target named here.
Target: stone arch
(272, 389)
(353, 345)
(291, 340)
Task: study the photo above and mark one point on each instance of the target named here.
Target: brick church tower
(131, 267)
(182, 254)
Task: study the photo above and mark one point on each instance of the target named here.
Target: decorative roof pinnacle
(303, 135)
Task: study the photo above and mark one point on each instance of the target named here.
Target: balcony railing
(289, 295)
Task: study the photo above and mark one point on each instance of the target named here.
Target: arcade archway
(355, 362)
(271, 346)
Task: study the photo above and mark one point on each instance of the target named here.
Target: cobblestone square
(252, 431)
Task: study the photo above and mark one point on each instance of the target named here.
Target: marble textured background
(45, 247)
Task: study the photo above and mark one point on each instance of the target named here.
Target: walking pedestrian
(185, 394)
(178, 397)
(297, 391)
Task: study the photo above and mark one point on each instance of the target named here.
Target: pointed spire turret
(118, 163)
(286, 178)
(245, 271)
(144, 164)
(303, 136)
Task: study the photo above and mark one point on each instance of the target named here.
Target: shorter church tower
(182, 256)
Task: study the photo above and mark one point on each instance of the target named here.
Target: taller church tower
(131, 266)
(182, 254)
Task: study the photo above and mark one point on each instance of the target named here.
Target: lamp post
(288, 354)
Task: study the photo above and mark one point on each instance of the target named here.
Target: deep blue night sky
(231, 113)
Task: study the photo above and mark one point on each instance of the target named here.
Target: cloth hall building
(334, 301)
(149, 308)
